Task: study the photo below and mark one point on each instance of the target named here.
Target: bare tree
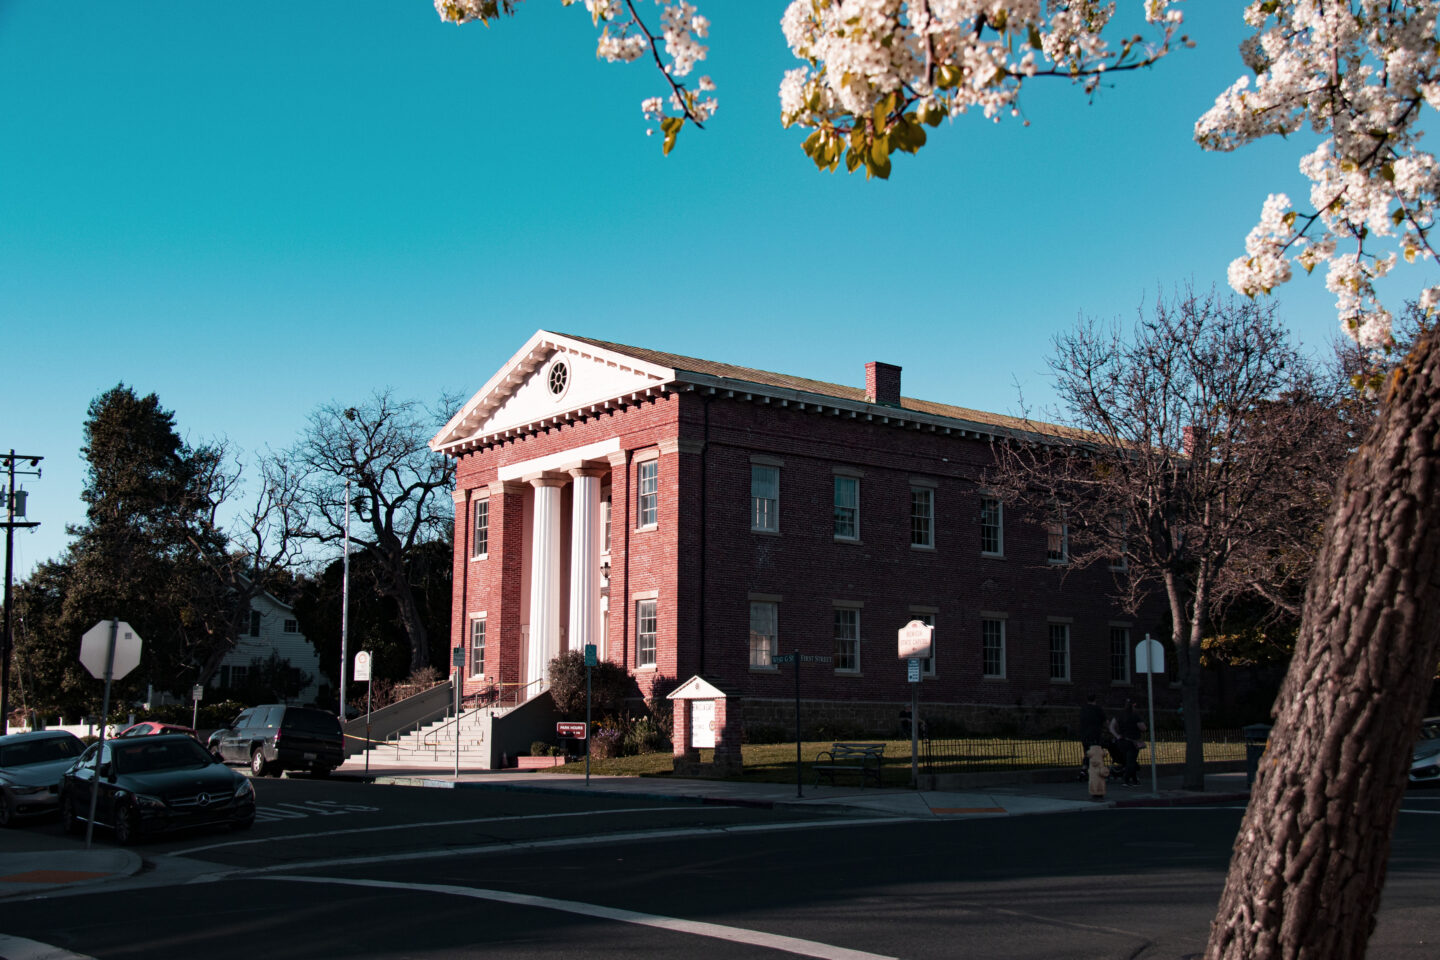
(399, 493)
(1311, 855)
(1196, 454)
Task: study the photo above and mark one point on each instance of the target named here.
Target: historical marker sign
(915, 638)
(362, 666)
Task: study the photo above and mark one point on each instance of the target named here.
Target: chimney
(1191, 438)
(882, 383)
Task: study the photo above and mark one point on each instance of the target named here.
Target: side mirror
(107, 771)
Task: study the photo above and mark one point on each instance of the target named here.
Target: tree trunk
(1310, 861)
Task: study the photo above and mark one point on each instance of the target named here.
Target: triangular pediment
(697, 688)
(552, 377)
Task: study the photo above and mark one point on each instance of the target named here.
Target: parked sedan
(145, 785)
(1425, 761)
(31, 765)
(153, 728)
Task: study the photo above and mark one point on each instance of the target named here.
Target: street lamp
(14, 507)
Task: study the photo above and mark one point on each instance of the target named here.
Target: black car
(274, 737)
(151, 785)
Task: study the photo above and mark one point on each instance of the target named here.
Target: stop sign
(95, 643)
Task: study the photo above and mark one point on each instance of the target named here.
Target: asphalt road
(336, 869)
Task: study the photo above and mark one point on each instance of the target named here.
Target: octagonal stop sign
(95, 643)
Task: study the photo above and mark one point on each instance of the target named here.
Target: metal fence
(977, 754)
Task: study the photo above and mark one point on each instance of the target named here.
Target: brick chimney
(882, 383)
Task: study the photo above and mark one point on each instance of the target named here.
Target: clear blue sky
(252, 210)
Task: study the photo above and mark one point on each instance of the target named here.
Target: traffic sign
(1149, 656)
(914, 670)
(575, 730)
(197, 693)
(95, 644)
(779, 658)
(815, 658)
(362, 666)
(590, 658)
(915, 638)
(457, 657)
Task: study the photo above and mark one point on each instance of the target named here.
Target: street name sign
(815, 658)
(779, 658)
(95, 643)
(915, 638)
(574, 730)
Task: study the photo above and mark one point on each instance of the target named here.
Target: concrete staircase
(433, 745)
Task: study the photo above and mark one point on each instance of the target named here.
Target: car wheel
(127, 827)
(258, 766)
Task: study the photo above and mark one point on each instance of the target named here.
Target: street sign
(914, 670)
(780, 658)
(96, 642)
(362, 666)
(1149, 656)
(815, 658)
(915, 639)
(575, 730)
(457, 657)
(197, 693)
(590, 658)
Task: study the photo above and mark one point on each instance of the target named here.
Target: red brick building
(694, 518)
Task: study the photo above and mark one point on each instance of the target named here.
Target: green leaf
(1035, 40)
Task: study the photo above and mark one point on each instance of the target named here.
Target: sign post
(589, 662)
(109, 650)
(196, 692)
(1150, 658)
(916, 640)
(457, 658)
(362, 672)
(798, 658)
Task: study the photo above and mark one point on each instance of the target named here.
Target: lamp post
(14, 507)
(345, 607)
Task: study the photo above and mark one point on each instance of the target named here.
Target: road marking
(411, 826)
(18, 948)
(773, 941)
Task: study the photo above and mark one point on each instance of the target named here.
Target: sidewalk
(31, 863)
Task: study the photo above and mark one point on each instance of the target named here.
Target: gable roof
(500, 409)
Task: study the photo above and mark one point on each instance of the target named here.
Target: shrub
(606, 743)
(539, 748)
(608, 685)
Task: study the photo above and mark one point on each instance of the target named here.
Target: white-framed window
(927, 666)
(477, 647)
(1059, 651)
(1057, 542)
(764, 641)
(646, 629)
(292, 625)
(847, 640)
(922, 517)
(605, 524)
(764, 498)
(1119, 654)
(992, 648)
(647, 507)
(847, 508)
(480, 545)
(992, 527)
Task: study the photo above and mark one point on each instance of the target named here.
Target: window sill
(1122, 683)
(764, 532)
(647, 528)
(755, 669)
(848, 673)
(854, 540)
(483, 556)
(927, 547)
(1061, 680)
(646, 668)
(998, 679)
(992, 556)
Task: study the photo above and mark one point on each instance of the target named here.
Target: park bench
(862, 758)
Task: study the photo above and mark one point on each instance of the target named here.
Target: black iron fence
(981, 754)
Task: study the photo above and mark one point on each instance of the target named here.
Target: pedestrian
(1095, 756)
(1129, 731)
(1092, 730)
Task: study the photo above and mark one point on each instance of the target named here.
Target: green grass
(775, 762)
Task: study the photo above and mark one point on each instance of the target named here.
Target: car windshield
(40, 751)
(150, 754)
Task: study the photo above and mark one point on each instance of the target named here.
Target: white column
(544, 581)
(585, 537)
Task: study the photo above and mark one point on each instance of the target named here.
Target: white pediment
(697, 688)
(552, 377)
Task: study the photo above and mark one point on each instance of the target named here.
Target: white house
(273, 628)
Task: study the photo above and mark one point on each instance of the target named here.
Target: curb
(1194, 800)
(42, 871)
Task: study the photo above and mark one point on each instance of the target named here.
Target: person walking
(1129, 730)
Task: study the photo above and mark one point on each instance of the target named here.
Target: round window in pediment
(558, 379)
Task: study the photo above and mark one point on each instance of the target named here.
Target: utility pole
(14, 507)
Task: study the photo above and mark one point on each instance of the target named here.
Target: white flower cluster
(946, 55)
(1363, 74)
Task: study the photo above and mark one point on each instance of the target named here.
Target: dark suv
(273, 737)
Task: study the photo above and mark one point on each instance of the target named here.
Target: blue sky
(252, 210)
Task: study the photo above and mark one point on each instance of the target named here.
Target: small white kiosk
(706, 717)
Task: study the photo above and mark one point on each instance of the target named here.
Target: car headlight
(147, 802)
(25, 790)
(244, 790)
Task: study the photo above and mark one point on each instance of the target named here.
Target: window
(992, 531)
(1120, 654)
(1057, 542)
(847, 639)
(1059, 651)
(847, 508)
(764, 498)
(477, 647)
(645, 629)
(1118, 562)
(292, 626)
(481, 545)
(927, 666)
(992, 648)
(648, 506)
(254, 623)
(605, 523)
(237, 676)
(222, 677)
(922, 517)
(763, 641)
